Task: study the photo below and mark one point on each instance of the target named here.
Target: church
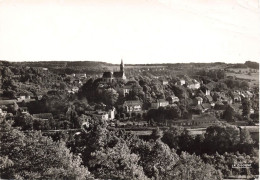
(119, 76)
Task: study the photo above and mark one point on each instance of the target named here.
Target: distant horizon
(211, 62)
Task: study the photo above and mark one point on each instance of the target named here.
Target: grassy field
(117, 67)
(244, 73)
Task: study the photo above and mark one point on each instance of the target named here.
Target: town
(210, 110)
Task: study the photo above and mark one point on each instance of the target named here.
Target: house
(81, 75)
(249, 94)
(100, 115)
(159, 103)
(226, 100)
(75, 89)
(212, 104)
(23, 110)
(164, 82)
(23, 97)
(206, 106)
(172, 99)
(223, 98)
(132, 106)
(111, 114)
(180, 82)
(209, 98)
(85, 125)
(198, 100)
(206, 89)
(39, 97)
(128, 88)
(173, 105)
(119, 76)
(77, 82)
(193, 84)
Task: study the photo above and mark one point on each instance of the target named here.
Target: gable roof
(209, 98)
(206, 105)
(107, 75)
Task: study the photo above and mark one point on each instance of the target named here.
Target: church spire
(122, 66)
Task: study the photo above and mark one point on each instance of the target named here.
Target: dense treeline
(100, 153)
(253, 65)
(33, 156)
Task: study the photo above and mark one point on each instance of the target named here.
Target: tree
(244, 85)
(158, 160)
(63, 86)
(185, 141)
(15, 108)
(245, 137)
(116, 163)
(246, 105)
(156, 134)
(72, 116)
(171, 137)
(197, 144)
(110, 97)
(228, 114)
(173, 112)
(225, 162)
(122, 115)
(179, 91)
(133, 114)
(192, 167)
(251, 64)
(25, 122)
(34, 156)
(220, 139)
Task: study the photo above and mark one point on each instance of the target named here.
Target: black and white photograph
(129, 89)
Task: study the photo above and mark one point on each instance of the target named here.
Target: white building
(159, 103)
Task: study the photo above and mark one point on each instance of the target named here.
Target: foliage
(32, 156)
(117, 163)
(253, 65)
(228, 114)
(110, 97)
(246, 105)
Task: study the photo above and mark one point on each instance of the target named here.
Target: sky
(138, 31)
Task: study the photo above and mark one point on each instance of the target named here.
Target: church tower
(122, 66)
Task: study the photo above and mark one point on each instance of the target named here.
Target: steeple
(122, 66)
